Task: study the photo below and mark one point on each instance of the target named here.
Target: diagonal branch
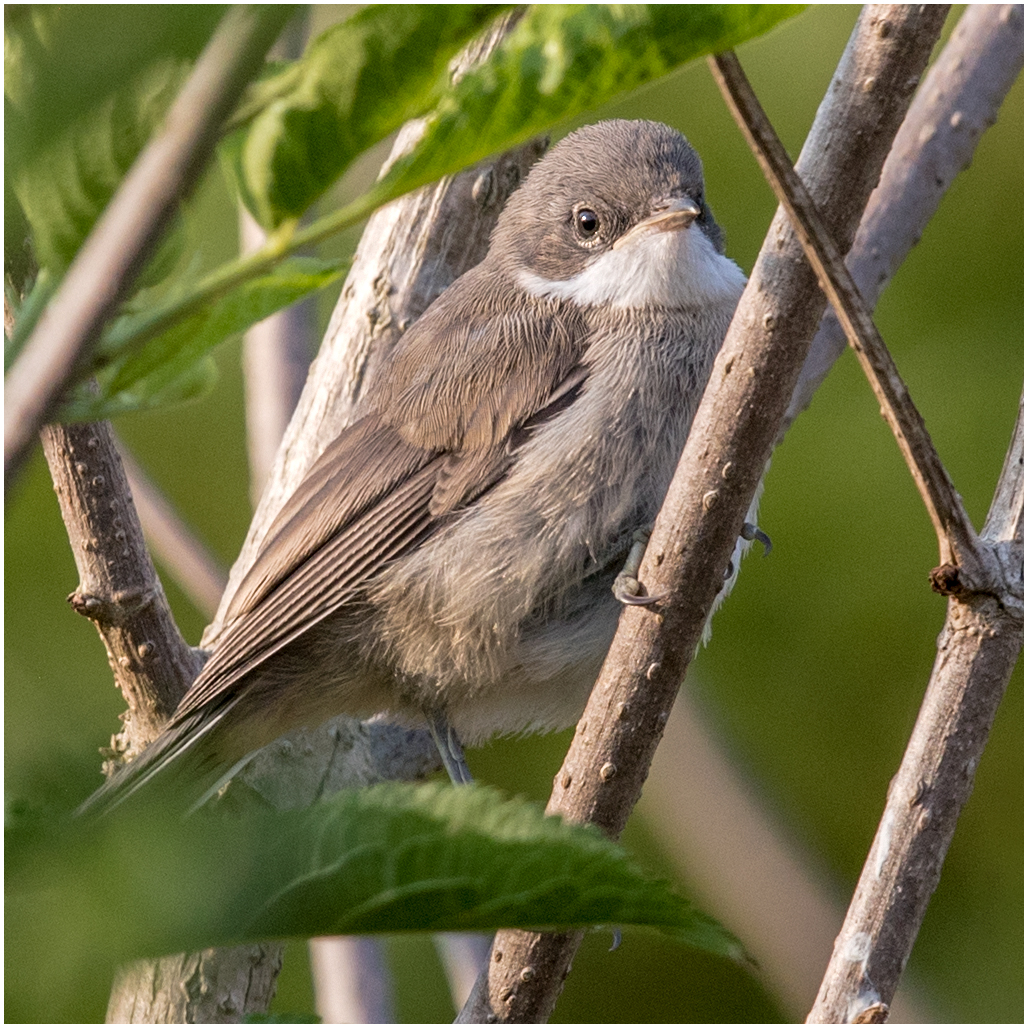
(958, 101)
(742, 868)
(112, 256)
(730, 441)
(118, 588)
(977, 650)
(957, 538)
(197, 572)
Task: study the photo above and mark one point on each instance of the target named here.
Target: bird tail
(177, 757)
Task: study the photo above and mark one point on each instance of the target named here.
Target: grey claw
(640, 601)
(751, 533)
(450, 750)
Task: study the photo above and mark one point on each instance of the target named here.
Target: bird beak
(671, 216)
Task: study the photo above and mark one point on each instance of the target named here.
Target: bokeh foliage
(818, 662)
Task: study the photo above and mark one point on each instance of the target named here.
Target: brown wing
(360, 467)
(435, 442)
(332, 575)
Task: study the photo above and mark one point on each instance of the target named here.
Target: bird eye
(587, 223)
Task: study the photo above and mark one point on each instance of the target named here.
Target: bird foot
(451, 752)
(627, 588)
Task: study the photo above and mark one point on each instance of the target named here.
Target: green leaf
(561, 60)
(165, 387)
(84, 89)
(443, 859)
(356, 83)
(166, 369)
(61, 61)
(27, 314)
(65, 188)
(385, 859)
(557, 62)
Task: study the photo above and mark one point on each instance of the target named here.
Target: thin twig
(957, 537)
(276, 356)
(977, 650)
(130, 227)
(352, 980)
(729, 443)
(196, 571)
(695, 799)
(118, 588)
(958, 101)
(153, 666)
(743, 866)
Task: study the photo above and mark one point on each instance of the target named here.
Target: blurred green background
(818, 662)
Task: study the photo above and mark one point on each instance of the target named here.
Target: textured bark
(745, 868)
(731, 438)
(153, 666)
(956, 535)
(977, 650)
(118, 587)
(745, 874)
(213, 987)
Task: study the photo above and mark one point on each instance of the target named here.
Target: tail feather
(176, 755)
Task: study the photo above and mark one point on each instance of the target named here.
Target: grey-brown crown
(590, 189)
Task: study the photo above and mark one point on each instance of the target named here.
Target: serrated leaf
(389, 858)
(167, 366)
(84, 89)
(61, 61)
(161, 389)
(356, 83)
(67, 185)
(452, 859)
(561, 60)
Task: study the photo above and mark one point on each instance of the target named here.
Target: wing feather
(434, 441)
(331, 577)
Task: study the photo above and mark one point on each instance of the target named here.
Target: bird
(449, 558)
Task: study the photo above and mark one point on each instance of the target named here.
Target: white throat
(664, 269)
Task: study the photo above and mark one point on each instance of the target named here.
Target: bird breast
(516, 588)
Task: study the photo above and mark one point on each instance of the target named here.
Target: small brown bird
(449, 558)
